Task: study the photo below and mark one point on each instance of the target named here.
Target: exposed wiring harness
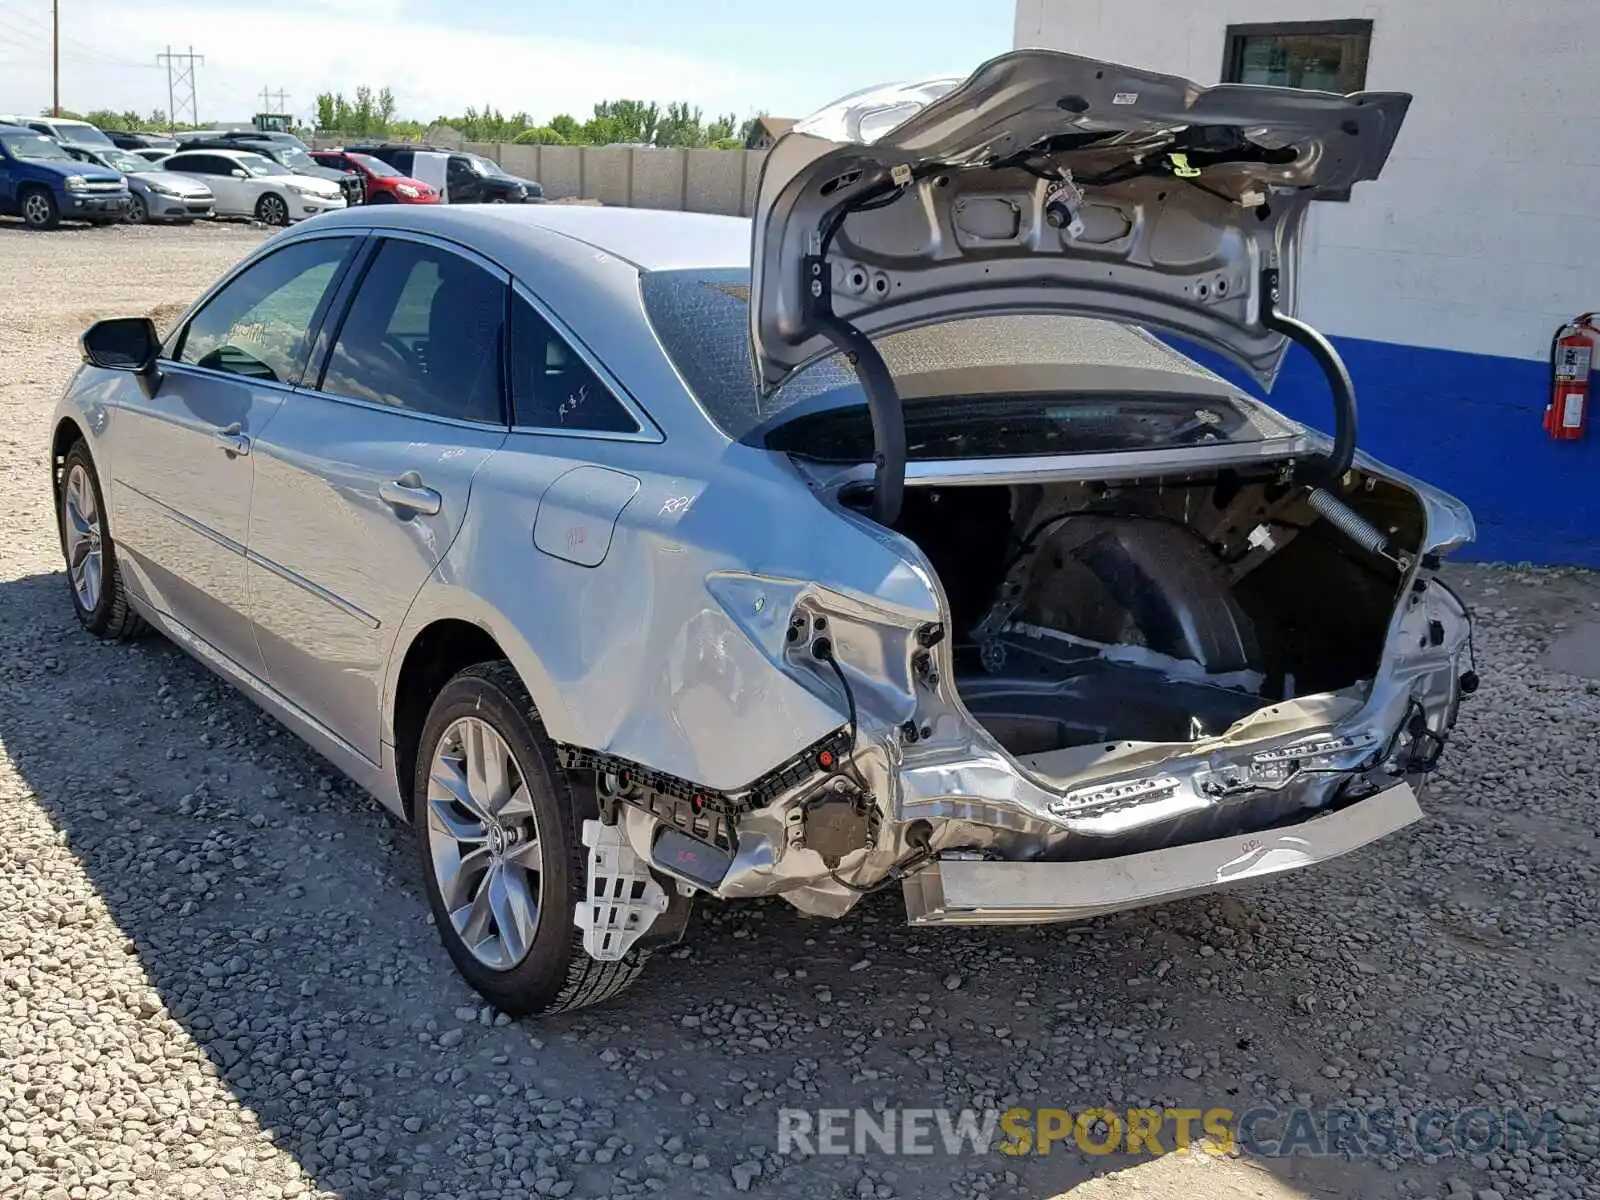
(923, 852)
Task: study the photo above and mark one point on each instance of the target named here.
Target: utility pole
(178, 77)
(266, 100)
(55, 58)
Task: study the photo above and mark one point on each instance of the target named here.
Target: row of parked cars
(53, 170)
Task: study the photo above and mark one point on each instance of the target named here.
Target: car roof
(222, 151)
(647, 239)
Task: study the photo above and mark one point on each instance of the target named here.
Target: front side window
(121, 160)
(258, 164)
(260, 324)
(375, 167)
(1324, 56)
(553, 388)
(423, 333)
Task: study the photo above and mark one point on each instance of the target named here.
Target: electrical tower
(266, 100)
(179, 77)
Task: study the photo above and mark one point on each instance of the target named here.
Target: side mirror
(122, 344)
(239, 173)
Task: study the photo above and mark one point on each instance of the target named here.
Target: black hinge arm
(1333, 370)
(883, 398)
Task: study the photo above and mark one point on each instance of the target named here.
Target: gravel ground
(217, 975)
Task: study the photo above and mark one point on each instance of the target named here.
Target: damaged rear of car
(1143, 636)
(878, 542)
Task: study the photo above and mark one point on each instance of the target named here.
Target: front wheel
(98, 597)
(497, 826)
(272, 209)
(39, 209)
(138, 213)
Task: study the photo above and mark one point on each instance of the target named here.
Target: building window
(1326, 56)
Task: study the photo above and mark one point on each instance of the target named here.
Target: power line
(266, 100)
(73, 50)
(179, 77)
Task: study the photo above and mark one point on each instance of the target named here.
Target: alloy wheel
(36, 209)
(137, 212)
(483, 843)
(274, 211)
(82, 526)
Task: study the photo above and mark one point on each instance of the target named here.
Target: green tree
(623, 121)
(541, 135)
(722, 129)
(567, 127)
(680, 126)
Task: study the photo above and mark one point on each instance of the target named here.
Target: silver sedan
(634, 557)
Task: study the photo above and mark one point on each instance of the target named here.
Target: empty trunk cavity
(1157, 610)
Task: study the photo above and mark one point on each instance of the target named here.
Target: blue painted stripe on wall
(1469, 423)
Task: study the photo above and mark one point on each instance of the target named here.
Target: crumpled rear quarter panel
(666, 652)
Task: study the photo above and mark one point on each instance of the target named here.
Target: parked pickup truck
(44, 185)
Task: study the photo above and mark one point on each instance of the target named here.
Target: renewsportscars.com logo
(1263, 1131)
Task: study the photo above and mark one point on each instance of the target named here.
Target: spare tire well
(435, 656)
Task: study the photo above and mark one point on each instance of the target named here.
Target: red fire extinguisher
(1571, 359)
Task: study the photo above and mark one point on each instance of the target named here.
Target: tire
(38, 208)
(553, 973)
(138, 212)
(272, 209)
(98, 597)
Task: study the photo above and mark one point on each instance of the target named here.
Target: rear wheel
(39, 209)
(93, 578)
(272, 209)
(497, 828)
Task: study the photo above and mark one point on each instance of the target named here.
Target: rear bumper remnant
(975, 891)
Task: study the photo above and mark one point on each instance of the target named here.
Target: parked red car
(385, 185)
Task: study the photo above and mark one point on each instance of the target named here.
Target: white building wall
(1483, 233)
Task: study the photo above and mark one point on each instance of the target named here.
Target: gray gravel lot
(217, 975)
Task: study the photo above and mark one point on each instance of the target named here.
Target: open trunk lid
(1051, 183)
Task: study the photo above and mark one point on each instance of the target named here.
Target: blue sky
(543, 56)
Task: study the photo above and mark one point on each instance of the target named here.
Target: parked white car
(252, 185)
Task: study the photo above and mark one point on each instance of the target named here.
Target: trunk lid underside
(1047, 182)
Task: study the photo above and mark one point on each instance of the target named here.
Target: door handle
(232, 440)
(409, 493)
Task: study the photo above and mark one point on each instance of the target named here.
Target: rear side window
(199, 164)
(552, 387)
(260, 324)
(424, 333)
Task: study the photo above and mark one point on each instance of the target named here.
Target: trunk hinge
(1328, 470)
(883, 399)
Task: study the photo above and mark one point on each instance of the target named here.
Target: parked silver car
(154, 195)
(630, 570)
